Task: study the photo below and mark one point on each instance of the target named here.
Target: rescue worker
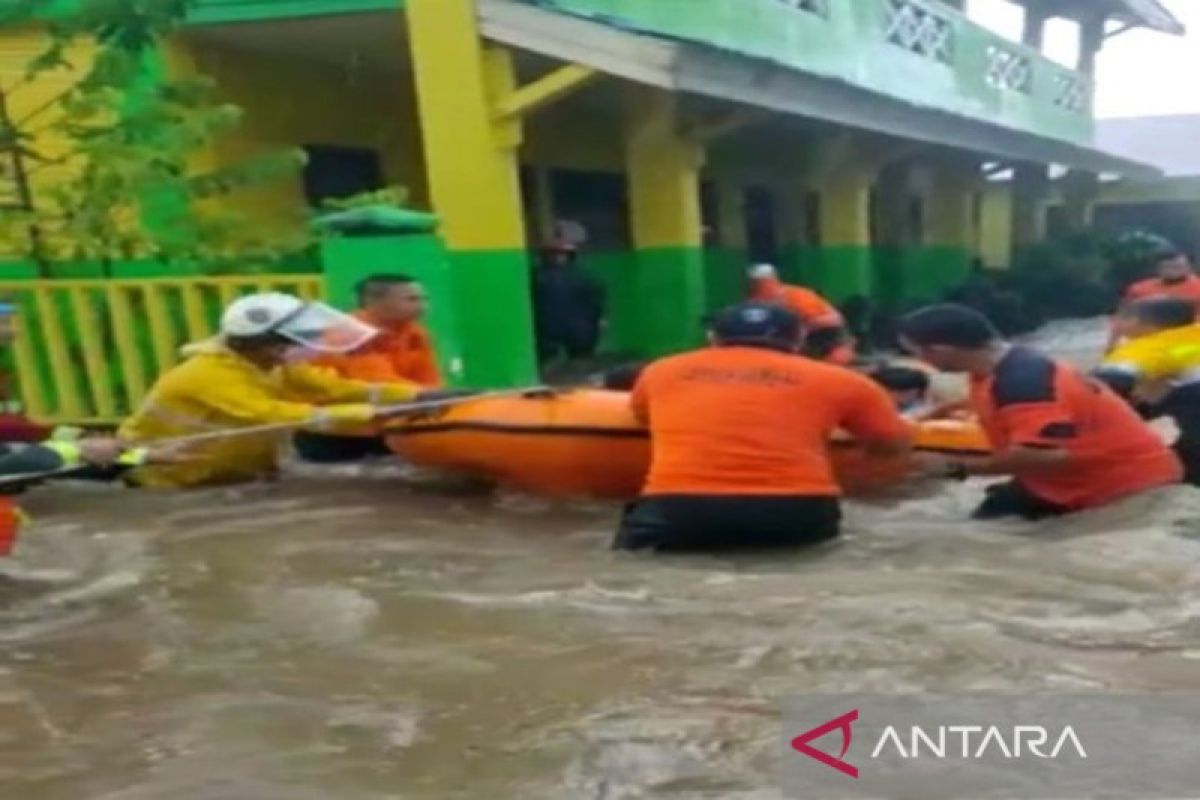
(827, 338)
(740, 435)
(1158, 369)
(253, 374)
(1174, 277)
(14, 426)
(24, 464)
(568, 305)
(1068, 443)
(402, 352)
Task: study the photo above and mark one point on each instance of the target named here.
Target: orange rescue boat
(587, 443)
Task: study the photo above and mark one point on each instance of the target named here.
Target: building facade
(848, 141)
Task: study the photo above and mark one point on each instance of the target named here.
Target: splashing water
(345, 635)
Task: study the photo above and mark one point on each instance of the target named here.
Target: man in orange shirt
(1174, 277)
(1069, 443)
(402, 352)
(740, 436)
(827, 338)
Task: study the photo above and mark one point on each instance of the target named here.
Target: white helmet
(762, 272)
(258, 314)
(313, 325)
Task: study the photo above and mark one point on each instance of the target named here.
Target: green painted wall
(850, 44)
(497, 337)
(918, 273)
(220, 11)
(348, 260)
(724, 277)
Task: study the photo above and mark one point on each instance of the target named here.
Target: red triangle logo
(801, 743)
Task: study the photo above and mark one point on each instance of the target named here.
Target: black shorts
(1011, 499)
(321, 448)
(717, 522)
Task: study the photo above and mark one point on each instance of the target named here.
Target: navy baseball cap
(757, 323)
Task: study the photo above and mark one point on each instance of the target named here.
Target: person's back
(1113, 452)
(736, 420)
(739, 443)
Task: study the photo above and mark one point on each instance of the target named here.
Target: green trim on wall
(846, 271)
(671, 288)
(725, 280)
(616, 270)
(801, 265)
(919, 273)
(211, 12)
(849, 43)
(495, 316)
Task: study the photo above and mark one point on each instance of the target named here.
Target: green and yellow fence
(87, 351)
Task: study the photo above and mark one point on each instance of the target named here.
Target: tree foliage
(127, 176)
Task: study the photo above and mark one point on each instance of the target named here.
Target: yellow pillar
(846, 257)
(949, 240)
(996, 226)
(664, 202)
(471, 162)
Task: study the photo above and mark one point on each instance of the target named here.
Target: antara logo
(970, 742)
(843, 723)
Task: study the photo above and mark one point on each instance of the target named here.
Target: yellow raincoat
(217, 389)
(1168, 355)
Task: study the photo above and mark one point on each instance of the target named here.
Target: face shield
(322, 329)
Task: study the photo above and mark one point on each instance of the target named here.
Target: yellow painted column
(950, 214)
(474, 185)
(664, 202)
(791, 207)
(846, 257)
(949, 235)
(996, 226)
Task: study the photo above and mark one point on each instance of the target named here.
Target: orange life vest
(10, 523)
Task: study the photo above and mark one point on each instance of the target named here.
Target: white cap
(761, 272)
(258, 314)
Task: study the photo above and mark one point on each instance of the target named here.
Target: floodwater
(344, 635)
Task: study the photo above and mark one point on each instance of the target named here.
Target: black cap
(757, 323)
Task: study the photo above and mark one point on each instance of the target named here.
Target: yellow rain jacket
(1171, 355)
(216, 389)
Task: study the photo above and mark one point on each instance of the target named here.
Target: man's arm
(1040, 435)
(872, 419)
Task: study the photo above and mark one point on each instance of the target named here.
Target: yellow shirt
(216, 389)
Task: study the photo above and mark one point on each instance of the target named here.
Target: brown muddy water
(348, 635)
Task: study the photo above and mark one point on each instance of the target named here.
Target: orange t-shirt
(749, 421)
(401, 353)
(1033, 401)
(814, 311)
(1187, 289)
